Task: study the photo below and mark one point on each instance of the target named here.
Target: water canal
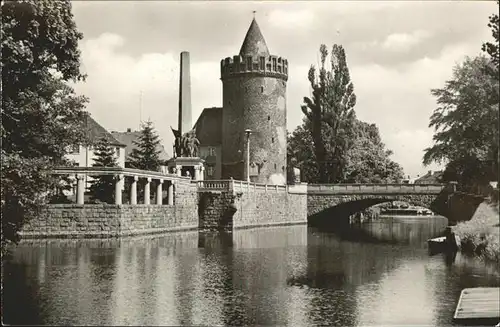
(275, 276)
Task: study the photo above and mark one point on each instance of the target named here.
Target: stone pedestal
(182, 165)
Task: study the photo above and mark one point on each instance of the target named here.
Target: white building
(83, 156)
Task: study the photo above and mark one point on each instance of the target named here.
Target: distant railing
(228, 185)
(231, 185)
(374, 188)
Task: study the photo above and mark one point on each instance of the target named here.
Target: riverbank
(480, 236)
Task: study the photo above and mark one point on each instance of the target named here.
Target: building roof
(128, 139)
(208, 127)
(430, 178)
(254, 44)
(95, 132)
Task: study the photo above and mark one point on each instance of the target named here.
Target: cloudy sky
(396, 52)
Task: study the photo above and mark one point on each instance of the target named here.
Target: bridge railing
(231, 185)
(373, 188)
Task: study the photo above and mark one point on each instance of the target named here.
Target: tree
(492, 48)
(41, 115)
(330, 111)
(146, 155)
(367, 160)
(466, 124)
(300, 153)
(103, 187)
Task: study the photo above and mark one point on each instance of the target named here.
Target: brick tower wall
(254, 97)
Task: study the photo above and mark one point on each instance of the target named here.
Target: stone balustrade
(375, 188)
(119, 178)
(231, 185)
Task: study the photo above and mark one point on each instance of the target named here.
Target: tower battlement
(268, 66)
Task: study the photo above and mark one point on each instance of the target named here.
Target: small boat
(448, 243)
(405, 210)
(437, 245)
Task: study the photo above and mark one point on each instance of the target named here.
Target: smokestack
(185, 123)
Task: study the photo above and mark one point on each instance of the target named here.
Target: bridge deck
(478, 305)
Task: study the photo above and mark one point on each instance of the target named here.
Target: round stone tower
(254, 97)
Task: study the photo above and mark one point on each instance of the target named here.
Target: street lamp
(247, 133)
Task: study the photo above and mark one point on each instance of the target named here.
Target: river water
(296, 276)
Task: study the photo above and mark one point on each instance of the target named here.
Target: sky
(397, 51)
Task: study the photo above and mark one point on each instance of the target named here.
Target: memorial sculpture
(186, 145)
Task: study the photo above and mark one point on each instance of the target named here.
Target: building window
(274, 166)
(268, 118)
(249, 63)
(210, 171)
(75, 149)
(274, 64)
(261, 89)
(117, 149)
(262, 63)
(272, 139)
(211, 151)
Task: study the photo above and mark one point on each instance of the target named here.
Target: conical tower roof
(254, 44)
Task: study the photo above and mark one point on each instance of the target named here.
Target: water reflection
(406, 230)
(274, 276)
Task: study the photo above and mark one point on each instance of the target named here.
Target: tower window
(261, 89)
(268, 118)
(274, 166)
(272, 139)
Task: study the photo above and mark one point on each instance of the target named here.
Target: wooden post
(159, 192)
(133, 190)
(146, 191)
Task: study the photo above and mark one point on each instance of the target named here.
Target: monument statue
(186, 145)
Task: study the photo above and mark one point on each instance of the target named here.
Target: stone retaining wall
(232, 210)
(106, 220)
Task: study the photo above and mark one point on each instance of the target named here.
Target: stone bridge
(342, 200)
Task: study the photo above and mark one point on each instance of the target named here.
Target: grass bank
(480, 236)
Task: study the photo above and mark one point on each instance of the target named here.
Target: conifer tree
(103, 187)
(146, 156)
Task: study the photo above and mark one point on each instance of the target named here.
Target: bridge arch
(331, 202)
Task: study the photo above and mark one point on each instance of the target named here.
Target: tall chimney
(185, 123)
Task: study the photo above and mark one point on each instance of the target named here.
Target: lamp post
(248, 132)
